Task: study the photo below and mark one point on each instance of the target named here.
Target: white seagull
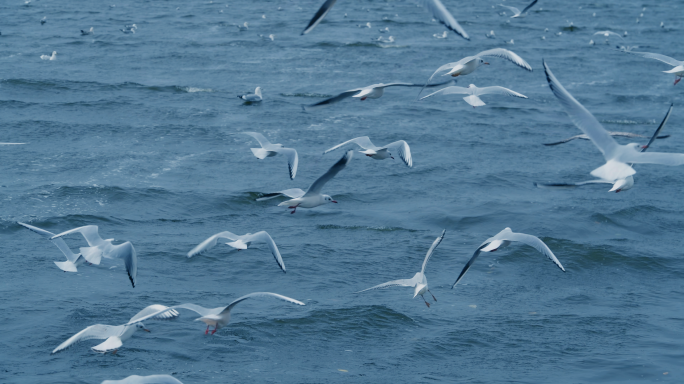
(152, 379)
(617, 156)
(88, 32)
(380, 153)
(516, 11)
(220, 317)
(115, 335)
(473, 92)
(502, 240)
(12, 143)
(73, 259)
(46, 57)
(374, 91)
(313, 197)
(418, 281)
(678, 69)
(269, 150)
(240, 242)
(104, 248)
(469, 64)
(252, 97)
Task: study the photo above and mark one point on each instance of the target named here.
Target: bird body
(252, 97)
(88, 32)
(474, 92)
(51, 57)
(269, 150)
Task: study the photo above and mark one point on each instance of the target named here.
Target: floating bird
(678, 69)
(104, 248)
(269, 150)
(88, 32)
(12, 143)
(129, 28)
(252, 97)
(617, 156)
(380, 153)
(312, 197)
(469, 64)
(46, 57)
(43, 20)
(243, 27)
(73, 259)
(442, 36)
(115, 335)
(474, 92)
(418, 281)
(240, 242)
(220, 317)
(374, 91)
(517, 12)
(502, 240)
(152, 379)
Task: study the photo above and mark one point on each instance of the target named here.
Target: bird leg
(215, 329)
(114, 352)
(433, 296)
(363, 98)
(207, 331)
(294, 208)
(426, 303)
(677, 80)
(455, 74)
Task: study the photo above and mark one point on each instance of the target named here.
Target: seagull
(418, 281)
(269, 150)
(46, 57)
(438, 10)
(152, 379)
(240, 242)
(99, 248)
(129, 28)
(469, 64)
(607, 34)
(374, 91)
(380, 153)
(88, 32)
(115, 335)
(43, 20)
(678, 69)
(12, 143)
(220, 317)
(619, 184)
(243, 27)
(502, 240)
(444, 35)
(252, 97)
(73, 259)
(617, 156)
(618, 134)
(474, 92)
(517, 12)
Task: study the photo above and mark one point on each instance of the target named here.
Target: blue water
(133, 133)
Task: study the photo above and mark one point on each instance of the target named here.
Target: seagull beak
(644, 146)
(147, 330)
(486, 63)
(333, 201)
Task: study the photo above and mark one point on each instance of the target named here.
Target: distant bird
(516, 11)
(490, 35)
(607, 34)
(418, 281)
(618, 134)
(43, 20)
(443, 35)
(88, 32)
(129, 28)
(502, 240)
(269, 150)
(116, 335)
(252, 97)
(380, 153)
(678, 69)
(617, 156)
(240, 242)
(12, 143)
(73, 259)
(220, 317)
(242, 27)
(152, 379)
(473, 92)
(46, 57)
(384, 40)
(312, 197)
(374, 91)
(469, 64)
(104, 248)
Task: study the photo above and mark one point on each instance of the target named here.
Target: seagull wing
(404, 151)
(508, 55)
(337, 98)
(259, 137)
(582, 118)
(441, 14)
(97, 331)
(156, 311)
(431, 250)
(261, 294)
(653, 158)
(397, 283)
(496, 90)
(363, 142)
(608, 33)
(59, 242)
(317, 185)
(152, 379)
(450, 90)
(320, 14)
(657, 131)
(293, 193)
(515, 10)
(572, 185)
(292, 160)
(211, 242)
(467, 266)
(569, 139)
(529, 6)
(530, 240)
(657, 56)
(89, 232)
(263, 236)
(126, 252)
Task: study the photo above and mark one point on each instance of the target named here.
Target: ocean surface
(135, 133)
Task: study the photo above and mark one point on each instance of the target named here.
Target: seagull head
(329, 199)
(141, 326)
(481, 61)
(623, 184)
(637, 147)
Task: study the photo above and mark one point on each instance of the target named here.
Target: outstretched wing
(126, 252)
(89, 232)
(515, 10)
(156, 311)
(363, 142)
(211, 242)
(152, 379)
(59, 242)
(568, 139)
(529, 6)
(97, 331)
(317, 185)
(496, 90)
(467, 266)
(258, 294)
(337, 98)
(293, 193)
(431, 250)
(608, 33)
(571, 185)
(397, 283)
(530, 240)
(657, 131)
(508, 55)
(263, 141)
(263, 236)
(292, 161)
(657, 56)
(404, 151)
(449, 90)
(441, 14)
(320, 14)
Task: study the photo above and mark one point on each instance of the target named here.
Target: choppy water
(133, 133)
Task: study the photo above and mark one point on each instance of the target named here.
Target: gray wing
(89, 232)
(152, 379)
(126, 252)
(211, 242)
(450, 90)
(292, 161)
(657, 131)
(363, 142)
(404, 151)
(582, 136)
(293, 193)
(582, 118)
(259, 137)
(263, 236)
(441, 14)
(657, 56)
(496, 90)
(467, 266)
(530, 240)
(529, 6)
(515, 10)
(337, 98)
(508, 55)
(317, 185)
(432, 249)
(258, 294)
(571, 185)
(59, 242)
(97, 331)
(157, 311)
(396, 283)
(320, 14)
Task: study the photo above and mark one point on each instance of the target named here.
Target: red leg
(215, 329)
(363, 98)
(294, 208)
(433, 296)
(426, 303)
(207, 331)
(677, 80)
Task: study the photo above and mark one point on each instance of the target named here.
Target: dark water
(133, 133)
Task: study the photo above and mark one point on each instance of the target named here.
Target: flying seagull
(380, 153)
(502, 240)
(678, 69)
(152, 379)
(73, 259)
(474, 92)
(616, 134)
(418, 281)
(374, 91)
(516, 11)
(88, 32)
(240, 242)
(269, 150)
